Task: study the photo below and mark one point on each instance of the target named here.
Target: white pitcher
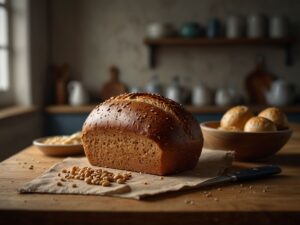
(281, 93)
(77, 94)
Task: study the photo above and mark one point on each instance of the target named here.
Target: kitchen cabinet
(154, 44)
(60, 120)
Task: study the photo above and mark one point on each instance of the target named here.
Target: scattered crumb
(161, 178)
(31, 167)
(250, 187)
(240, 191)
(241, 185)
(74, 185)
(216, 199)
(59, 184)
(62, 179)
(145, 183)
(58, 174)
(264, 190)
(189, 202)
(208, 195)
(219, 189)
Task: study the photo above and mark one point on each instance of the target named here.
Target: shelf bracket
(152, 56)
(288, 55)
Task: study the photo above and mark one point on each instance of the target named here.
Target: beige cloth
(211, 164)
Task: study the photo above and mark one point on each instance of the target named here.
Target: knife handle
(255, 173)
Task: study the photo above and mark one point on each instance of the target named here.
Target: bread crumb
(145, 183)
(219, 189)
(31, 167)
(189, 202)
(208, 195)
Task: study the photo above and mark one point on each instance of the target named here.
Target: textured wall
(18, 132)
(93, 34)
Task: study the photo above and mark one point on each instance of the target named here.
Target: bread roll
(229, 128)
(277, 116)
(259, 124)
(144, 133)
(236, 117)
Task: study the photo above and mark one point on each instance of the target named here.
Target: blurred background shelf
(153, 44)
(65, 119)
(54, 109)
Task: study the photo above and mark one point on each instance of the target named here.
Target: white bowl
(58, 149)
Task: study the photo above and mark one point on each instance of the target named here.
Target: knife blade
(245, 175)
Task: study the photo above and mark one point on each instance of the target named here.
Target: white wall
(93, 34)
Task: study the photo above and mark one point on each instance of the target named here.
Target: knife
(245, 175)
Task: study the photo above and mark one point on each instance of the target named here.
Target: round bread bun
(236, 117)
(229, 129)
(276, 116)
(259, 124)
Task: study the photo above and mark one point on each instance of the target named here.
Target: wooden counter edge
(90, 217)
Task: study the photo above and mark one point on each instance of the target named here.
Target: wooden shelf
(153, 44)
(66, 109)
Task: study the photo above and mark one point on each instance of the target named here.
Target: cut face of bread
(123, 151)
(144, 133)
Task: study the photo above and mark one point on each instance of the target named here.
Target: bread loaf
(144, 133)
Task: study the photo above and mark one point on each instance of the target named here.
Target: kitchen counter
(274, 200)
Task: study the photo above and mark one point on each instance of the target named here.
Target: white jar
(201, 95)
(278, 27)
(257, 26)
(159, 30)
(235, 26)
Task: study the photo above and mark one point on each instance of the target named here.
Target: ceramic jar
(77, 93)
(278, 27)
(175, 91)
(159, 30)
(154, 85)
(201, 95)
(257, 25)
(214, 28)
(191, 30)
(235, 26)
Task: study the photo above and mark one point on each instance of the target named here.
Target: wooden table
(275, 200)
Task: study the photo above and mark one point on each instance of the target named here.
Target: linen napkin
(212, 163)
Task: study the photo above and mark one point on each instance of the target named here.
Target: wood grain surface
(273, 200)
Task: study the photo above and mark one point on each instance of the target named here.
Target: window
(4, 47)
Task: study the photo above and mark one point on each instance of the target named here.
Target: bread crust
(165, 122)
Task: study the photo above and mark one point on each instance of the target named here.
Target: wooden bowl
(58, 150)
(248, 146)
